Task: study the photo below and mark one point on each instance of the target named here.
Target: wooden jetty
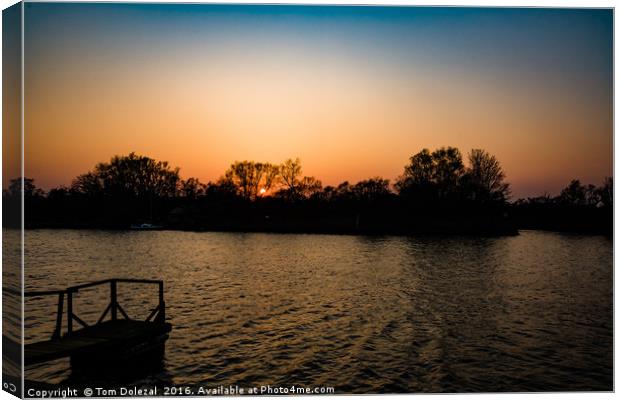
(114, 341)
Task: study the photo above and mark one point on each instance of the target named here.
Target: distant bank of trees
(437, 192)
(578, 208)
(575, 195)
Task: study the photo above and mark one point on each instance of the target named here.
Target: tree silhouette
(420, 171)
(574, 194)
(309, 186)
(30, 189)
(127, 188)
(486, 178)
(251, 177)
(272, 176)
(344, 191)
(435, 193)
(290, 172)
(371, 190)
(432, 176)
(606, 192)
(90, 184)
(245, 177)
(449, 170)
(192, 188)
(130, 176)
(223, 189)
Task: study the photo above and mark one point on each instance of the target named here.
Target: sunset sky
(352, 91)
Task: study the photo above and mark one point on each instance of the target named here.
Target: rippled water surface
(361, 314)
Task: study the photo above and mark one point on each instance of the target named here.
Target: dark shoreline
(345, 232)
(508, 231)
(375, 224)
(361, 232)
(327, 232)
(384, 219)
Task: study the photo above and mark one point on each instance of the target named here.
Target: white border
(480, 3)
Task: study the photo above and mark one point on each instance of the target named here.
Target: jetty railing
(157, 315)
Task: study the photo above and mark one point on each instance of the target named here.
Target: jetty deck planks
(107, 335)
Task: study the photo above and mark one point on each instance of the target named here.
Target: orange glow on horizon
(345, 112)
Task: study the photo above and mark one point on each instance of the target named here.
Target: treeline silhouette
(578, 208)
(436, 193)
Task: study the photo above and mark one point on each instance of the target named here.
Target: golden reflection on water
(362, 314)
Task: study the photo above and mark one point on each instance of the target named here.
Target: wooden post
(113, 304)
(69, 311)
(58, 328)
(161, 316)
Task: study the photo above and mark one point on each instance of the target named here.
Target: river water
(358, 313)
